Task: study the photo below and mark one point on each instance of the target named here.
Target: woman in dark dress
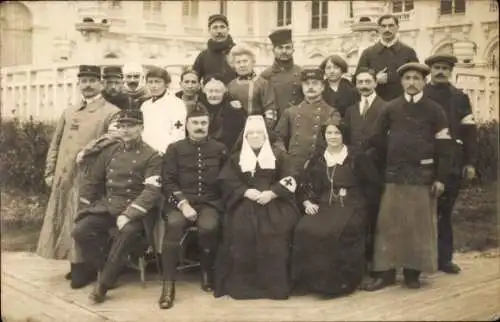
(339, 92)
(329, 240)
(260, 217)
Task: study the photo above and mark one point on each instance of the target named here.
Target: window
(350, 9)
(152, 10)
(223, 7)
(449, 7)
(249, 13)
(114, 4)
(190, 9)
(284, 13)
(319, 14)
(402, 6)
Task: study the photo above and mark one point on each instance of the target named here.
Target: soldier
(77, 127)
(361, 120)
(121, 189)
(299, 126)
(190, 170)
(134, 85)
(113, 87)
(254, 92)
(418, 142)
(462, 126)
(164, 114)
(386, 56)
(213, 60)
(283, 76)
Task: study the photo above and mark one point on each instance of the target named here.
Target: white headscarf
(248, 159)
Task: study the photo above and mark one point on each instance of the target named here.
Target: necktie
(412, 100)
(365, 107)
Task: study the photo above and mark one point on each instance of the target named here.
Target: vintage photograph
(227, 160)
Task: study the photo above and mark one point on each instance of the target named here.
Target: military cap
(158, 72)
(197, 110)
(441, 58)
(423, 69)
(337, 61)
(89, 70)
(281, 36)
(311, 73)
(217, 17)
(112, 71)
(129, 116)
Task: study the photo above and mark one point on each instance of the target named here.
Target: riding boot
(207, 268)
(167, 296)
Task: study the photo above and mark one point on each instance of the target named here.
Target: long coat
(76, 128)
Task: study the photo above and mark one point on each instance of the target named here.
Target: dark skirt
(252, 261)
(329, 247)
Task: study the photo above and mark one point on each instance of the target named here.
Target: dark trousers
(175, 224)
(91, 233)
(373, 195)
(445, 208)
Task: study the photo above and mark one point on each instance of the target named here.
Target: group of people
(296, 178)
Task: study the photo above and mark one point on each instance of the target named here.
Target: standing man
(418, 143)
(386, 56)
(164, 114)
(113, 87)
(121, 189)
(134, 85)
(190, 170)
(213, 59)
(361, 120)
(283, 76)
(77, 127)
(300, 125)
(462, 126)
(254, 92)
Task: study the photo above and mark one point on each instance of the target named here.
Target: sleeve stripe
(138, 208)
(85, 201)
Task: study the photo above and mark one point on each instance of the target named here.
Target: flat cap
(311, 73)
(112, 71)
(424, 69)
(89, 70)
(281, 36)
(217, 17)
(129, 116)
(441, 58)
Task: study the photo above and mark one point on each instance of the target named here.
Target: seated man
(121, 188)
(190, 170)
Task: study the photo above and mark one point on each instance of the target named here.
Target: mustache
(364, 89)
(312, 91)
(412, 87)
(133, 83)
(440, 75)
(88, 88)
(200, 131)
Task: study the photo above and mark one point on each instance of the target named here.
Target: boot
(412, 278)
(98, 294)
(206, 265)
(450, 268)
(382, 280)
(167, 296)
(81, 275)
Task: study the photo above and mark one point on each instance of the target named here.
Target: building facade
(38, 35)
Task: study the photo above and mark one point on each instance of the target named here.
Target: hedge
(24, 145)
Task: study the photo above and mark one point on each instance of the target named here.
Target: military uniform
(299, 127)
(283, 76)
(123, 179)
(457, 107)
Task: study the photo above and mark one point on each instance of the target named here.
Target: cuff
(176, 198)
(85, 201)
(134, 211)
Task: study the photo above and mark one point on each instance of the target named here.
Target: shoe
(98, 294)
(68, 276)
(412, 278)
(450, 268)
(81, 275)
(413, 283)
(383, 280)
(167, 296)
(206, 281)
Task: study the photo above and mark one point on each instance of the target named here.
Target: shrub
(23, 150)
(487, 158)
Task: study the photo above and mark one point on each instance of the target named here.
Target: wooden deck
(33, 289)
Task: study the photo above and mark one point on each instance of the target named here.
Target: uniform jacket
(122, 180)
(190, 170)
(457, 107)
(299, 127)
(256, 97)
(378, 56)
(284, 79)
(164, 121)
(410, 129)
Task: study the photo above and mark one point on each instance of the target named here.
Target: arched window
(493, 59)
(16, 34)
